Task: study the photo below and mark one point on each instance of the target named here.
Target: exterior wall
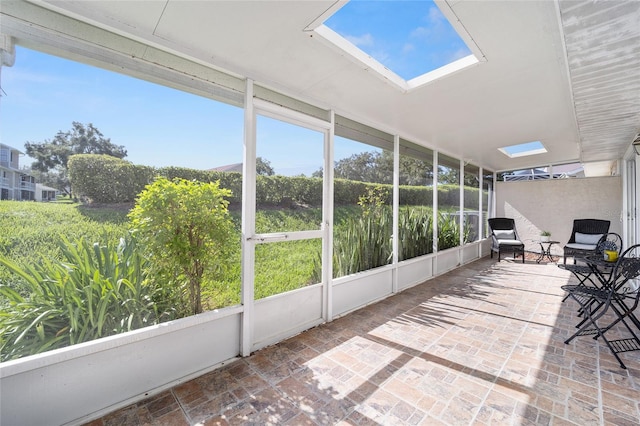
(45, 193)
(552, 205)
(9, 157)
(10, 181)
(15, 185)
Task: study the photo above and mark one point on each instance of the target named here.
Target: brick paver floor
(481, 345)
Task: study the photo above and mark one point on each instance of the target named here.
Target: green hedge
(105, 179)
(228, 180)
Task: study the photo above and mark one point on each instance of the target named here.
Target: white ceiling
(566, 74)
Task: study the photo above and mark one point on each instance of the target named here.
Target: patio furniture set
(607, 291)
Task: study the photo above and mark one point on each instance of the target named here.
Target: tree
(362, 167)
(52, 156)
(448, 175)
(263, 167)
(186, 228)
(413, 171)
(377, 167)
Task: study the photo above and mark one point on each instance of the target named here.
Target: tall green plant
(364, 242)
(28, 230)
(449, 231)
(415, 232)
(186, 227)
(95, 291)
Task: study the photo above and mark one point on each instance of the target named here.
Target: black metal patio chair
(609, 241)
(616, 295)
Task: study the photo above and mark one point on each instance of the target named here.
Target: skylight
(412, 40)
(523, 149)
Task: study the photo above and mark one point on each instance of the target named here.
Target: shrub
(94, 291)
(186, 227)
(449, 230)
(364, 242)
(105, 179)
(415, 232)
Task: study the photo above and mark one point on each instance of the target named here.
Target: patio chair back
(589, 226)
(585, 227)
(628, 268)
(610, 242)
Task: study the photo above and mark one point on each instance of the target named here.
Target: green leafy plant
(545, 234)
(415, 232)
(448, 231)
(29, 231)
(95, 291)
(186, 227)
(364, 242)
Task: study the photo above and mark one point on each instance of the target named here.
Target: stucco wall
(552, 205)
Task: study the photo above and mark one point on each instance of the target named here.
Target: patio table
(546, 251)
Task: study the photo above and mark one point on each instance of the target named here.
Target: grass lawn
(30, 231)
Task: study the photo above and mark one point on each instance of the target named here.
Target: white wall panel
(359, 290)
(447, 260)
(94, 378)
(287, 314)
(414, 271)
(485, 247)
(470, 252)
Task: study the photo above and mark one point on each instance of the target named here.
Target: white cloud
(458, 54)
(408, 48)
(435, 16)
(435, 27)
(420, 33)
(362, 40)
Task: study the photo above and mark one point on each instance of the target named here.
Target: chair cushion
(510, 243)
(576, 246)
(504, 234)
(587, 238)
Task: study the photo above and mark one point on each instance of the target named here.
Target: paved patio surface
(481, 345)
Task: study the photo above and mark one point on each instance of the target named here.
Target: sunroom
(560, 74)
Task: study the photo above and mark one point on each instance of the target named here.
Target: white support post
(248, 221)
(435, 201)
(492, 213)
(396, 210)
(481, 208)
(461, 202)
(327, 222)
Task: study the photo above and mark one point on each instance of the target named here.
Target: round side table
(546, 251)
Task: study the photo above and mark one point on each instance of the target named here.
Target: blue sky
(409, 37)
(159, 126)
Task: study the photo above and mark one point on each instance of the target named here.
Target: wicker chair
(588, 232)
(504, 237)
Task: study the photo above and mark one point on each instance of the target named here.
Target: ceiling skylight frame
(538, 148)
(356, 55)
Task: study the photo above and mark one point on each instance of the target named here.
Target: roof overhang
(561, 73)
